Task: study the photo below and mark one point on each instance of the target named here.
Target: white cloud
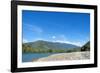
(69, 42)
(34, 28)
(64, 39)
(53, 37)
(37, 29)
(59, 37)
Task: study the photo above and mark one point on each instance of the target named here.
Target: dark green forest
(86, 47)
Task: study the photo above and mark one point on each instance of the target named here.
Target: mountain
(86, 47)
(40, 44)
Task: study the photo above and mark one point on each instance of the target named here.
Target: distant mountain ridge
(41, 44)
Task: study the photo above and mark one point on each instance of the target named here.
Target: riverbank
(66, 56)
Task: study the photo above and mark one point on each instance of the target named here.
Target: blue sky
(64, 27)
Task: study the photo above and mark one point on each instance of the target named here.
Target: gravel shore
(67, 56)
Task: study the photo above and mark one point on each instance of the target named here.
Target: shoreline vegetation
(65, 56)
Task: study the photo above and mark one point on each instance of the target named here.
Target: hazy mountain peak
(51, 45)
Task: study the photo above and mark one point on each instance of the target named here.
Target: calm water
(28, 57)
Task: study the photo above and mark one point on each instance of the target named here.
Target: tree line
(29, 49)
